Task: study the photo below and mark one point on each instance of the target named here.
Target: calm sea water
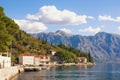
(103, 71)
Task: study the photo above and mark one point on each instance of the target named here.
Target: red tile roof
(26, 54)
(43, 56)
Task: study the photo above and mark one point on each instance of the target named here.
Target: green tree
(1, 12)
(11, 26)
(90, 58)
(66, 57)
(5, 38)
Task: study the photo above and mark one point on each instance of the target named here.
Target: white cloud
(108, 18)
(66, 30)
(51, 15)
(91, 30)
(31, 27)
(90, 17)
(34, 17)
(119, 28)
(47, 15)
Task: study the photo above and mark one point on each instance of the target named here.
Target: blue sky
(84, 17)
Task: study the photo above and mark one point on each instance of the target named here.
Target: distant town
(33, 59)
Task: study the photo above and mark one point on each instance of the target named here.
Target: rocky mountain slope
(102, 46)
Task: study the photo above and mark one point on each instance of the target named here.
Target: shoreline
(70, 64)
(13, 71)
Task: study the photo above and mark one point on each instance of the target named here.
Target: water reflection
(98, 72)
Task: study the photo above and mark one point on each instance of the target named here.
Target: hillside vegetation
(17, 41)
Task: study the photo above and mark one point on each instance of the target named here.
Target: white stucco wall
(26, 60)
(37, 61)
(5, 61)
(53, 53)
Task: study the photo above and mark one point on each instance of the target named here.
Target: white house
(52, 52)
(29, 59)
(5, 61)
(44, 59)
(82, 59)
(26, 59)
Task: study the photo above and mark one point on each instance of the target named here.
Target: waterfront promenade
(8, 73)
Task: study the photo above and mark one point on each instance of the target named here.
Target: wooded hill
(15, 40)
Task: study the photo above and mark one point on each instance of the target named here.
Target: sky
(83, 17)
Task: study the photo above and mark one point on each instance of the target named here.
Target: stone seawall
(7, 73)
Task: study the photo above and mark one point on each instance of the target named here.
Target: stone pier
(8, 73)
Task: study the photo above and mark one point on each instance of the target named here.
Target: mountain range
(102, 46)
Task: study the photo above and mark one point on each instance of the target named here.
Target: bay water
(101, 71)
